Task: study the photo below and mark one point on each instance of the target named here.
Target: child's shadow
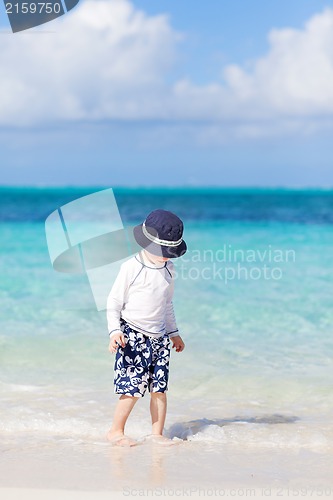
(184, 430)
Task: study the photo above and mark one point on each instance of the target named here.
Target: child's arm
(170, 320)
(115, 303)
(116, 340)
(178, 343)
(171, 328)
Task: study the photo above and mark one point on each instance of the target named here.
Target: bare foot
(117, 439)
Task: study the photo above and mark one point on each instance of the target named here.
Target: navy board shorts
(143, 363)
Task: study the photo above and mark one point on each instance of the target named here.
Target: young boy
(141, 321)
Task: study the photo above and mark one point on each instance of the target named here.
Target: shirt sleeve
(170, 319)
(171, 326)
(116, 300)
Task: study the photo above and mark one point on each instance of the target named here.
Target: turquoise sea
(254, 304)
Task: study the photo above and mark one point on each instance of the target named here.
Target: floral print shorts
(143, 363)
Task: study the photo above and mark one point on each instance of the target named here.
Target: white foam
(268, 436)
(71, 427)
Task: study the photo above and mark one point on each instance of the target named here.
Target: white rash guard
(142, 295)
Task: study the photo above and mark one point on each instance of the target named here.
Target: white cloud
(293, 80)
(108, 60)
(296, 76)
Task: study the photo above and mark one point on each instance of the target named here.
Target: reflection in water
(183, 430)
(128, 463)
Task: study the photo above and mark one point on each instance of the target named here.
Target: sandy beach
(188, 465)
(274, 494)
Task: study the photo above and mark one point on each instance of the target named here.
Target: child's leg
(159, 374)
(123, 409)
(158, 408)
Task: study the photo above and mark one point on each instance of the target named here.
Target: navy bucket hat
(161, 234)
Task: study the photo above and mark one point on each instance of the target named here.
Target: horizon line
(169, 187)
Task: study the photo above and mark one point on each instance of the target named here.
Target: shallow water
(257, 371)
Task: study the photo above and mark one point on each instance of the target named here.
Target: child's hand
(178, 343)
(118, 339)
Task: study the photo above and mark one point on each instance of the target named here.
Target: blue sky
(167, 92)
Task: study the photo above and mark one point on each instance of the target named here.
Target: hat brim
(158, 250)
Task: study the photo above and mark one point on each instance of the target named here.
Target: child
(141, 321)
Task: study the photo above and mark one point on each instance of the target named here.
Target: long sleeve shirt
(142, 295)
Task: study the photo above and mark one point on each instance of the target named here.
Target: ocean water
(254, 304)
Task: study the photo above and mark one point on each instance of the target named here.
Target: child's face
(155, 258)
